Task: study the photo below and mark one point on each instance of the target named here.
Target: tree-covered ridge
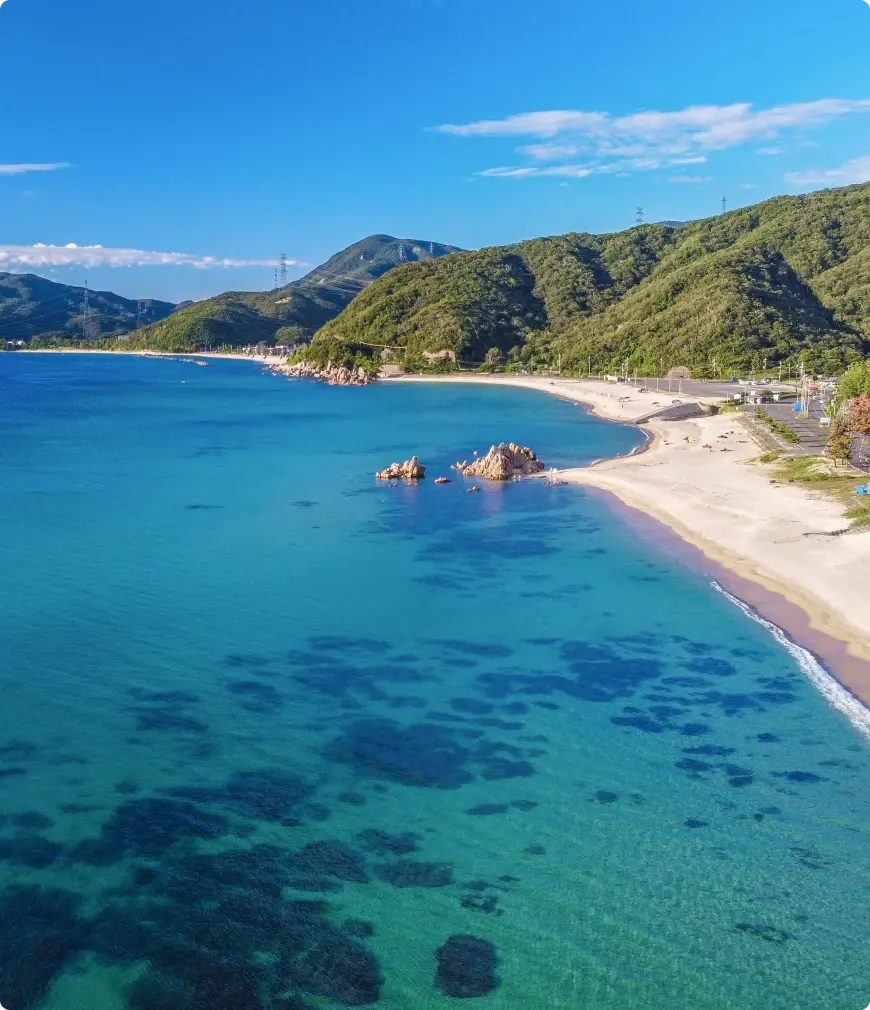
(288, 314)
(31, 305)
(788, 278)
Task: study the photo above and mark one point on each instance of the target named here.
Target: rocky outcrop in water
(331, 373)
(410, 470)
(503, 462)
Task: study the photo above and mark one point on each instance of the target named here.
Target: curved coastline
(652, 489)
(775, 591)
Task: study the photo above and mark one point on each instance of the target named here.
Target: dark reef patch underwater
(352, 745)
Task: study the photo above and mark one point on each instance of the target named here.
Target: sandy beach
(772, 534)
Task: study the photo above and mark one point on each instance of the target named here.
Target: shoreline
(758, 540)
(762, 541)
(260, 359)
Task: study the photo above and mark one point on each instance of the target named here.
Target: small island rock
(503, 462)
(409, 470)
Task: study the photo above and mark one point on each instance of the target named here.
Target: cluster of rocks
(331, 373)
(503, 462)
(409, 470)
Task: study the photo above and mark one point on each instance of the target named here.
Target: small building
(443, 355)
(679, 372)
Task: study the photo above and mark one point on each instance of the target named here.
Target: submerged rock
(409, 470)
(466, 967)
(503, 462)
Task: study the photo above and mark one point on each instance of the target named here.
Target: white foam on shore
(834, 693)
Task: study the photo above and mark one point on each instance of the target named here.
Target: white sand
(728, 508)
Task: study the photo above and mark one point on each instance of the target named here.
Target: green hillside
(784, 279)
(31, 306)
(288, 314)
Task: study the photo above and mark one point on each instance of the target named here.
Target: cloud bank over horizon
(14, 257)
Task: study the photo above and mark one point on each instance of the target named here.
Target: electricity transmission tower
(138, 314)
(276, 277)
(90, 324)
(638, 216)
(283, 269)
(724, 204)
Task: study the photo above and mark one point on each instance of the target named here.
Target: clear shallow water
(271, 733)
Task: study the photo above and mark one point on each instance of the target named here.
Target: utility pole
(589, 372)
(283, 269)
(86, 315)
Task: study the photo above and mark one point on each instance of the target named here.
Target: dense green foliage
(856, 382)
(31, 306)
(287, 315)
(788, 279)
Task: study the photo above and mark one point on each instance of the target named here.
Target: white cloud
(693, 159)
(567, 171)
(40, 255)
(856, 170)
(644, 140)
(769, 152)
(690, 178)
(548, 152)
(749, 185)
(23, 168)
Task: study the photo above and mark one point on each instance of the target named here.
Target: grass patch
(838, 483)
(767, 457)
(778, 427)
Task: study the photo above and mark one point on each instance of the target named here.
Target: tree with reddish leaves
(859, 414)
(839, 440)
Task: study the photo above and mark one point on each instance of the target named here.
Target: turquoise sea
(275, 735)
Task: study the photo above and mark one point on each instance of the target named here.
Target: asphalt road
(693, 387)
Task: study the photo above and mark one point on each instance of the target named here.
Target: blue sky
(180, 134)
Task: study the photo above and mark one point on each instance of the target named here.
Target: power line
(85, 314)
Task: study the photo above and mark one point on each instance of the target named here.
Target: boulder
(503, 462)
(331, 373)
(409, 470)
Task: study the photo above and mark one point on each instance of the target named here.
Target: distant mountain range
(31, 306)
(290, 314)
(785, 279)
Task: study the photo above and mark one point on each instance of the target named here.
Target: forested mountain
(292, 313)
(31, 305)
(785, 278)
